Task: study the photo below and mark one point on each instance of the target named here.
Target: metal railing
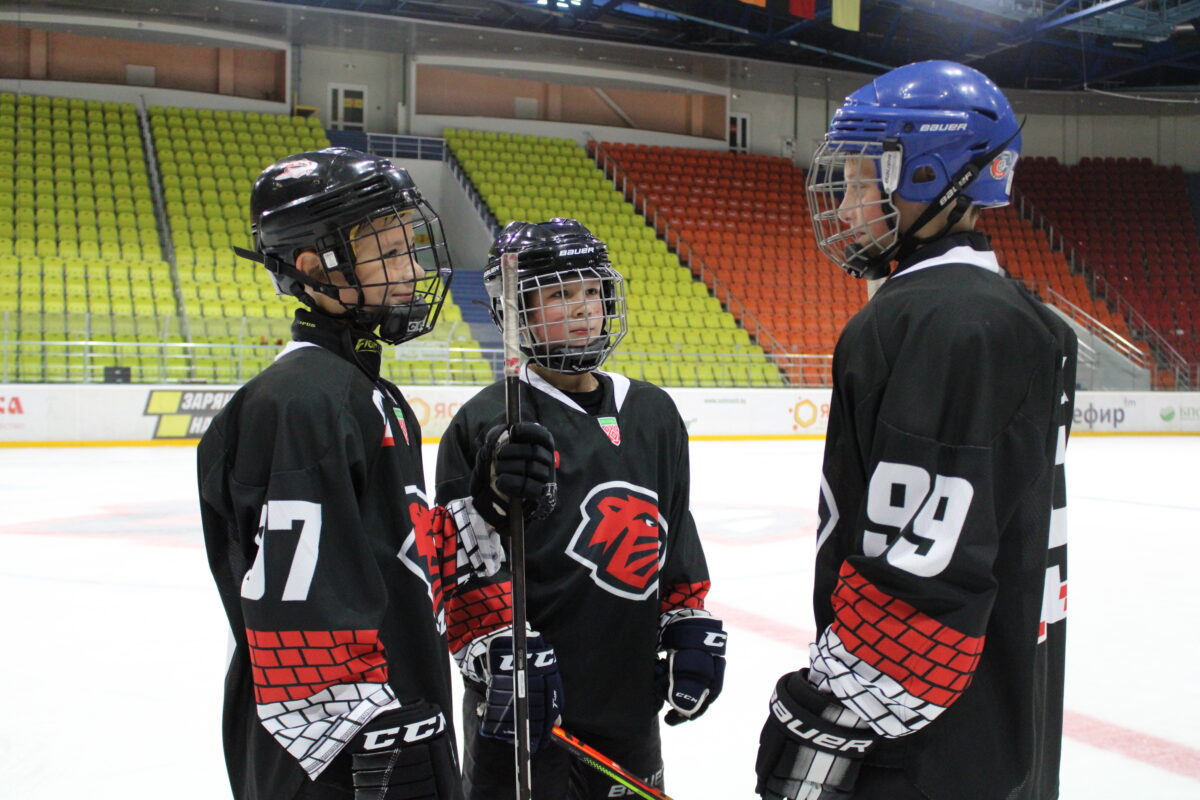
(1136, 356)
(1185, 375)
(392, 145)
(88, 361)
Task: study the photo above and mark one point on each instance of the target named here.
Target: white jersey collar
(961, 254)
(620, 388)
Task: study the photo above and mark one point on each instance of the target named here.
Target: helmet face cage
(397, 268)
(854, 221)
(571, 320)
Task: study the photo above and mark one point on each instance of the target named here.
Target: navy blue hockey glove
(811, 746)
(492, 664)
(515, 463)
(691, 675)
(405, 754)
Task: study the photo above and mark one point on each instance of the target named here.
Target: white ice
(116, 639)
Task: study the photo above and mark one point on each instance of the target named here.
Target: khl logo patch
(621, 539)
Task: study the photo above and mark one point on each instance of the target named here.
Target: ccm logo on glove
(540, 659)
(413, 732)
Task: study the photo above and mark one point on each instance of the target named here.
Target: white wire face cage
(849, 188)
(571, 321)
(401, 270)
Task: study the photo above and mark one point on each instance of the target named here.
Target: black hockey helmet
(355, 211)
(556, 260)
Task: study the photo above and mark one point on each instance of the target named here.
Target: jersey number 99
(900, 494)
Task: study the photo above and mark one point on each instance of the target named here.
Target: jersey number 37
(279, 517)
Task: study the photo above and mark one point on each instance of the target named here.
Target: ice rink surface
(117, 640)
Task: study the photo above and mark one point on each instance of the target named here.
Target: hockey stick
(603, 764)
(516, 528)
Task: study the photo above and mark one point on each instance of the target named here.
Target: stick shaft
(516, 522)
(604, 765)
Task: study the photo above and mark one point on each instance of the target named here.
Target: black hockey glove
(803, 753)
(492, 658)
(514, 463)
(691, 675)
(405, 754)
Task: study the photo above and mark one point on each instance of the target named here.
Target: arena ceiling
(1143, 46)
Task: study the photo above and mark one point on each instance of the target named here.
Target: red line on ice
(1127, 742)
(1161, 753)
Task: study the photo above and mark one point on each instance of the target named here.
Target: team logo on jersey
(422, 549)
(620, 539)
(611, 429)
(389, 439)
(403, 425)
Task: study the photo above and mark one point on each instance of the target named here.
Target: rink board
(35, 413)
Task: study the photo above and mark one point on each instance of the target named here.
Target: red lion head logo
(620, 539)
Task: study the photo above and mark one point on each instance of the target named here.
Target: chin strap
(278, 266)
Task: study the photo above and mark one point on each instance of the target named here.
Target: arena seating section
(679, 333)
(83, 246)
(1132, 223)
(745, 219)
(1025, 253)
(78, 239)
(89, 259)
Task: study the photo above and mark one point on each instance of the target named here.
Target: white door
(347, 107)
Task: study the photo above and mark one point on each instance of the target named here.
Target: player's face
(861, 209)
(568, 312)
(386, 268)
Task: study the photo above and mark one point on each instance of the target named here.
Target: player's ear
(308, 262)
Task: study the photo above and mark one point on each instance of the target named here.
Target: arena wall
(144, 415)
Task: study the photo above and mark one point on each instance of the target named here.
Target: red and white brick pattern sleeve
(316, 689)
(895, 666)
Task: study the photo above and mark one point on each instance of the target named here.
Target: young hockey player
(940, 587)
(616, 573)
(329, 561)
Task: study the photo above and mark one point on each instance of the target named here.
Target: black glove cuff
(377, 753)
(695, 633)
(796, 706)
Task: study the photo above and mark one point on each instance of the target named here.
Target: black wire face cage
(571, 321)
(854, 221)
(398, 270)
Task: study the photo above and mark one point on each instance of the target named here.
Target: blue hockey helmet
(933, 132)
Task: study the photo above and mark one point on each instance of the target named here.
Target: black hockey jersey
(940, 588)
(619, 550)
(328, 559)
